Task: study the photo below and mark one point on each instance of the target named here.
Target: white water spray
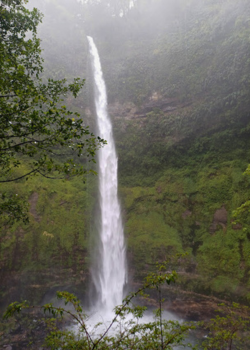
(111, 277)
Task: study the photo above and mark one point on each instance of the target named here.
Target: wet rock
(219, 219)
(159, 189)
(17, 330)
(193, 308)
(33, 202)
(155, 96)
(186, 214)
(237, 227)
(7, 347)
(165, 105)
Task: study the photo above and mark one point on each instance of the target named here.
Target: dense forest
(177, 77)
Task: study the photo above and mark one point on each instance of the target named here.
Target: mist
(154, 45)
(177, 80)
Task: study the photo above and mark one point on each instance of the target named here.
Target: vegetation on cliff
(39, 135)
(178, 86)
(183, 143)
(177, 74)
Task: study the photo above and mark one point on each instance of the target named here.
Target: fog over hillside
(178, 83)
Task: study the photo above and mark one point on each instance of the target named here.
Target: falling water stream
(111, 276)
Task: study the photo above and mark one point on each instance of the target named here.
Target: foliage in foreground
(229, 329)
(123, 331)
(128, 330)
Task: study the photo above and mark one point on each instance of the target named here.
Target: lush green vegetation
(179, 213)
(52, 249)
(184, 144)
(39, 136)
(179, 80)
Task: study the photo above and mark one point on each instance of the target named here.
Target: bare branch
(23, 143)
(7, 96)
(21, 177)
(49, 177)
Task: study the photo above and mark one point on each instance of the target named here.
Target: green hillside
(178, 82)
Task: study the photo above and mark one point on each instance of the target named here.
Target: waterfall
(110, 278)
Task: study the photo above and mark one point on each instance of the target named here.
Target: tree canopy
(36, 128)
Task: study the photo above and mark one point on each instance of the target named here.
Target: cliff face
(51, 252)
(179, 192)
(179, 101)
(181, 116)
